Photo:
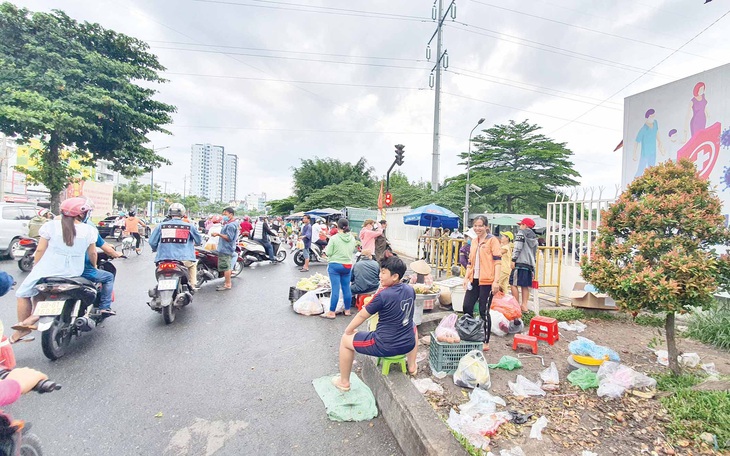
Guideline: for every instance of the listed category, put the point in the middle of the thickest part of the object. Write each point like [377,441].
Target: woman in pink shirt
[368,234]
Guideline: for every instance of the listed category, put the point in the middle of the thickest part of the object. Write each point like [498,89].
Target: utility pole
[442,60]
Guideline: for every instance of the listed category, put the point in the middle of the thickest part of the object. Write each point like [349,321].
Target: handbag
[470,328]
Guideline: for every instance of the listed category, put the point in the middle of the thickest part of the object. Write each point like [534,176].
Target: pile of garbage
[314,282]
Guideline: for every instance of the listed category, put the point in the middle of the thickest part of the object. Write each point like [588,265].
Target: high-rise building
[255,202]
[230,174]
[206,171]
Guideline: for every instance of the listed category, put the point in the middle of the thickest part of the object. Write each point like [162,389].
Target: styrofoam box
[456,285]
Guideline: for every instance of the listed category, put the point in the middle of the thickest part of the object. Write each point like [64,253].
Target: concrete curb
[414,423]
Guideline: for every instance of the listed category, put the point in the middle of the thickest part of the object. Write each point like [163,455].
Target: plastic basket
[445,357]
[295,293]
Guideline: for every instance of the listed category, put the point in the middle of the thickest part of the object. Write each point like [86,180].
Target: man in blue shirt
[227,256]
[175,239]
[306,237]
[105,278]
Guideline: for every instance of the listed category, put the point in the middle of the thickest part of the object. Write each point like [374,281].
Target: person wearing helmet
[35,224]
[215,227]
[132,225]
[246,227]
[176,239]
[63,246]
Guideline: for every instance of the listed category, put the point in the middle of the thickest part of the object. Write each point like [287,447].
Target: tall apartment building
[213,173]
[255,202]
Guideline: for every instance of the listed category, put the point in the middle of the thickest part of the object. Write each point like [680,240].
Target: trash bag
[550,378]
[507,305]
[470,328]
[473,371]
[507,362]
[500,324]
[615,378]
[576,326]
[481,402]
[514,451]
[516,326]
[446,330]
[586,347]
[536,431]
[424,385]
[583,378]
[523,387]
[308,304]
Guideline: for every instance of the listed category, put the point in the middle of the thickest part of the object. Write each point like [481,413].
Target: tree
[317,173]
[406,193]
[340,195]
[73,85]
[655,250]
[283,206]
[518,168]
[133,195]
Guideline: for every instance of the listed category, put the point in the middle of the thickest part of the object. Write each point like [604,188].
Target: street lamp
[152,180]
[468,171]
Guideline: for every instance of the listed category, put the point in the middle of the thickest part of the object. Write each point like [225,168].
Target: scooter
[254,252]
[25,252]
[172,291]
[315,255]
[67,307]
[208,266]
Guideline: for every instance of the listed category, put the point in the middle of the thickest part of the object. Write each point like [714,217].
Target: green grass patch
[564,314]
[695,412]
[471,449]
[527,317]
[649,320]
[712,327]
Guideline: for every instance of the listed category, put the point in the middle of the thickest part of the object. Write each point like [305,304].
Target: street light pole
[468,175]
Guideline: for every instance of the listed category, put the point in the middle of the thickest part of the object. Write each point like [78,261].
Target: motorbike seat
[75,280]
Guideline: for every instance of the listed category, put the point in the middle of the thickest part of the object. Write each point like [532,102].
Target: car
[14,219]
[106,226]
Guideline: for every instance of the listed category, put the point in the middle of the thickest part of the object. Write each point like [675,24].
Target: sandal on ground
[303,270]
[348,313]
[24,326]
[336,383]
[410,372]
[485,347]
[223,288]
[324,315]
[24,338]
[107,312]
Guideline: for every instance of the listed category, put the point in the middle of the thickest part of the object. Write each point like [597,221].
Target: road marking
[203,437]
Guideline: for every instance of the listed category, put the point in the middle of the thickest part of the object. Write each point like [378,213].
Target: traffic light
[399,154]
[388,199]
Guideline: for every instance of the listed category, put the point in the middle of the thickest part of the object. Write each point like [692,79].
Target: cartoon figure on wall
[649,141]
[697,114]
[703,146]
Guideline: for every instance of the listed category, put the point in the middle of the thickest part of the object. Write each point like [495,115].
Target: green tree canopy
[317,173]
[74,85]
[340,195]
[655,246]
[283,206]
[519,169]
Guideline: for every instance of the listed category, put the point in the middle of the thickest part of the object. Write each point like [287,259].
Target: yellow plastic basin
[589,360]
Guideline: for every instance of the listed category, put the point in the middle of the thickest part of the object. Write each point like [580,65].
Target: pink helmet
[247,219]
[216,219]
[73,207]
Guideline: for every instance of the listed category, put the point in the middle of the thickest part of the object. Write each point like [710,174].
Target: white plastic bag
[446,330]
[324,302]
[523,387]
[500,324]
[536,431]
[465,425]
[689,360]
[424,385]
[515,451]
[550,378]
[308,304]
[576,326]
[473,371]
[481,402]
[615,378]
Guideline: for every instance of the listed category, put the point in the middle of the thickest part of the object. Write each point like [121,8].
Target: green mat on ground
[358,404]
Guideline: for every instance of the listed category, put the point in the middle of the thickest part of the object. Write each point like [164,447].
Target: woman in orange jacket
[482,273]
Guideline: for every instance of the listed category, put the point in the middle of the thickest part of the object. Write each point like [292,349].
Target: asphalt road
[231,376]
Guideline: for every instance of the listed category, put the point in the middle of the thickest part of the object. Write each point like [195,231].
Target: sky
[278,81]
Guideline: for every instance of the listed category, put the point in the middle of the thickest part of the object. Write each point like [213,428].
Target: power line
[294,130]
[642,75]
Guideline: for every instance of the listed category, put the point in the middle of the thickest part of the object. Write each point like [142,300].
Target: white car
[14,219]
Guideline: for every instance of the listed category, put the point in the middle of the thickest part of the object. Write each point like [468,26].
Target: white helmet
[176,210]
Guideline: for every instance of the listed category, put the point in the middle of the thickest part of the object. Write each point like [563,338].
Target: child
[523,261]
[215,227]
[466,248]
[505,239]
[395,334]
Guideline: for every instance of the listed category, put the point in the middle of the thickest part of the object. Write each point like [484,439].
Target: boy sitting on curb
[396,333]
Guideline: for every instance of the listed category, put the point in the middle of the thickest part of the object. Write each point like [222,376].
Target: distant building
[213,173]
[230,174]
[255,202]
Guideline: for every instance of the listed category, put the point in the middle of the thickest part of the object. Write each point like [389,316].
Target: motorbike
[68,307]
[254,252]
[25,252]
[315,255]
[208,266]
[172,291]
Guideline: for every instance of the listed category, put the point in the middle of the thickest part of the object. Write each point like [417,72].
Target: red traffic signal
[388,199]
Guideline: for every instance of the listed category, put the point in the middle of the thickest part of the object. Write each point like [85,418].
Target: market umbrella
[504,220]
[433,216]
[326,212]
[295,216]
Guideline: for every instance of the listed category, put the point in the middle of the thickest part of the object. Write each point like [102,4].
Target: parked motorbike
[25,252]
[67,307]
[208,266]
[315,255]
[172,291]
[254,252]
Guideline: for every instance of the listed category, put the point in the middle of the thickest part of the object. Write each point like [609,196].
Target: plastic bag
[500,324]
[583,378]
[473,371]
[470,328]
[507,362]
[324,301]
[536,431]
[586,347]
[446,330]
[615,378]
[550,378]
[515,451]
[516,326]
[424,385]
[576,326]
[481,402]
[689,360]
[524,387]
[477,429]
[308,304]
[507,305]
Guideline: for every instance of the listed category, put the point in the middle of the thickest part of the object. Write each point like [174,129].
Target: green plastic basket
[445,357]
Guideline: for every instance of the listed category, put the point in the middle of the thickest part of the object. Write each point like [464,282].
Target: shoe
[107,312]
[303,270]
[25,338]
[222,288]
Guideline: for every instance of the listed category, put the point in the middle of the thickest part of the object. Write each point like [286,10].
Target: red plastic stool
[524,339]
[361,298]
[544,328]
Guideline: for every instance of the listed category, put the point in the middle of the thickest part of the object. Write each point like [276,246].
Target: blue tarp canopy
[432,215]
[326,212]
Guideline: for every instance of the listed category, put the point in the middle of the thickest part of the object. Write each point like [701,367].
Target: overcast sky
[277,81]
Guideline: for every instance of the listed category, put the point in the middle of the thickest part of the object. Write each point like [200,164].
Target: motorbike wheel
[56,339]
[281,256]
[168,314]
[247,262]
[30,445]
[26,263]
[237,269]
[200,280]
[299,258]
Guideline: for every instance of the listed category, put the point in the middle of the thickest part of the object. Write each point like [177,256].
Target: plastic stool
[387,361]
[523,339]
[361,298]
[544,328]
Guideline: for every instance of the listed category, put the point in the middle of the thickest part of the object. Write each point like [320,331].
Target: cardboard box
[580,297]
